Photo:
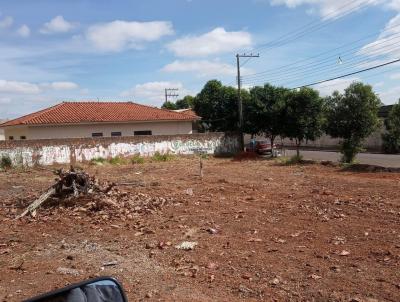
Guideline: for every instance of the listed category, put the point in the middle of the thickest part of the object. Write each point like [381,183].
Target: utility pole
[240,105]
[170,92]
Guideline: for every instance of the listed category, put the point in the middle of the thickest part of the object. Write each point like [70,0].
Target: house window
[145,132]
[97,134]
[116,134]
[11,138]
[22,137]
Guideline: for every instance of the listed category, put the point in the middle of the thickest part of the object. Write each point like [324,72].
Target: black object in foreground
[103,289]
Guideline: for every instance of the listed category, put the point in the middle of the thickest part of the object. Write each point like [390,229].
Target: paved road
[384,160]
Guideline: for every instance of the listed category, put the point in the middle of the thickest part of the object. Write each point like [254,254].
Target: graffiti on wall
[81,152]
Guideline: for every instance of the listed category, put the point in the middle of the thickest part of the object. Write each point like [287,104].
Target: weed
[98,161]
[137,159]
[5,162]
[158,157]
[117,160]
[204,156]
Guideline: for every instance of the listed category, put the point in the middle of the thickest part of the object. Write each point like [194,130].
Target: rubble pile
[77,192]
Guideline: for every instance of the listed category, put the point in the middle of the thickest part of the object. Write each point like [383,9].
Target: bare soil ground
[265,233]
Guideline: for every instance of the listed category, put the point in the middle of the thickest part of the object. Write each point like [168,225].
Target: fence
[70,151]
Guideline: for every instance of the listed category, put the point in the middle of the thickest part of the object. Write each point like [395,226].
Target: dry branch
[38,202]
[69,183]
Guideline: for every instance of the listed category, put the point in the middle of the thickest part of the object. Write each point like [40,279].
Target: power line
[311,27]
[364,77]
[315,71]
[303,31]
[291,66]
[349,74]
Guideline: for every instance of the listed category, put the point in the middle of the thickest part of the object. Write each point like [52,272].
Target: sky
[77,50]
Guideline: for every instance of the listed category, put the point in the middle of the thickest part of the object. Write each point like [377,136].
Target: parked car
[263,147]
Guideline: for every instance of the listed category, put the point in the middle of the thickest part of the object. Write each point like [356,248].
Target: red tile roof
[98,112]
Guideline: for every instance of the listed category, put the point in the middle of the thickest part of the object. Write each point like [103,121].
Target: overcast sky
[52,51]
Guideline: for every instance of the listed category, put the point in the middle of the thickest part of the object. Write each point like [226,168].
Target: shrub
[137,159]
[162,157]
[5,162]
[391,144]
[391,139]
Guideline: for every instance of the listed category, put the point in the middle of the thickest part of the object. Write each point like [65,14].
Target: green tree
[352,116]
[391,139]
[217,106]
[303,117]
[186,103]
[169,105]
[266,110]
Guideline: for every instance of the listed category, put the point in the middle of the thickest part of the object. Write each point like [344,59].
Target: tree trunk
[272,139]
[298,147]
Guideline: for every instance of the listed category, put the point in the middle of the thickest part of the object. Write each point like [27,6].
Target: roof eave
[99,122]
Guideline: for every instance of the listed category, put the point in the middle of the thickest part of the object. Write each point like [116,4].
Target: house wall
[70,151]
[82,131]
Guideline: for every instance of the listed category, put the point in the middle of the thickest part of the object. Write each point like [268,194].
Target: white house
[97,119]
[2,137]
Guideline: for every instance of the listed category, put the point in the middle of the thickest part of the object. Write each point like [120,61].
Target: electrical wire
[349,74]
[316,71]
[308,28]
[292,66]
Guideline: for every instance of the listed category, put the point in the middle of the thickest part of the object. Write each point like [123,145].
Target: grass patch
[289,161]
[98,161]
[204,156]
[117,160]
[158,157]
[137,159]
[5,162]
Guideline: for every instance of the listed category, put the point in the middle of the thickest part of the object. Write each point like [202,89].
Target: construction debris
[186,245]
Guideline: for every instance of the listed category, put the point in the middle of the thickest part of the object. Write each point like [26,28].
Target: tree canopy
[353,116]
[303,117]
[169,105]
[186,103]
[264,111]
[217,106]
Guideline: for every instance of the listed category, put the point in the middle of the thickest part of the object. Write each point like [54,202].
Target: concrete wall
[372,143]
[66,151]
[86,130]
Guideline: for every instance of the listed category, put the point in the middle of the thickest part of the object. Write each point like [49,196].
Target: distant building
[190,112]
[98,119]
[2,137]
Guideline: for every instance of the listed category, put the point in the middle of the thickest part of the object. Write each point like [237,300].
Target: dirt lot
[264,232]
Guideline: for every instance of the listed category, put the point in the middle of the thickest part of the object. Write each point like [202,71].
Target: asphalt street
[384,160]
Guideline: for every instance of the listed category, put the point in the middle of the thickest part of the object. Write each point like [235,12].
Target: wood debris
[77,189]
